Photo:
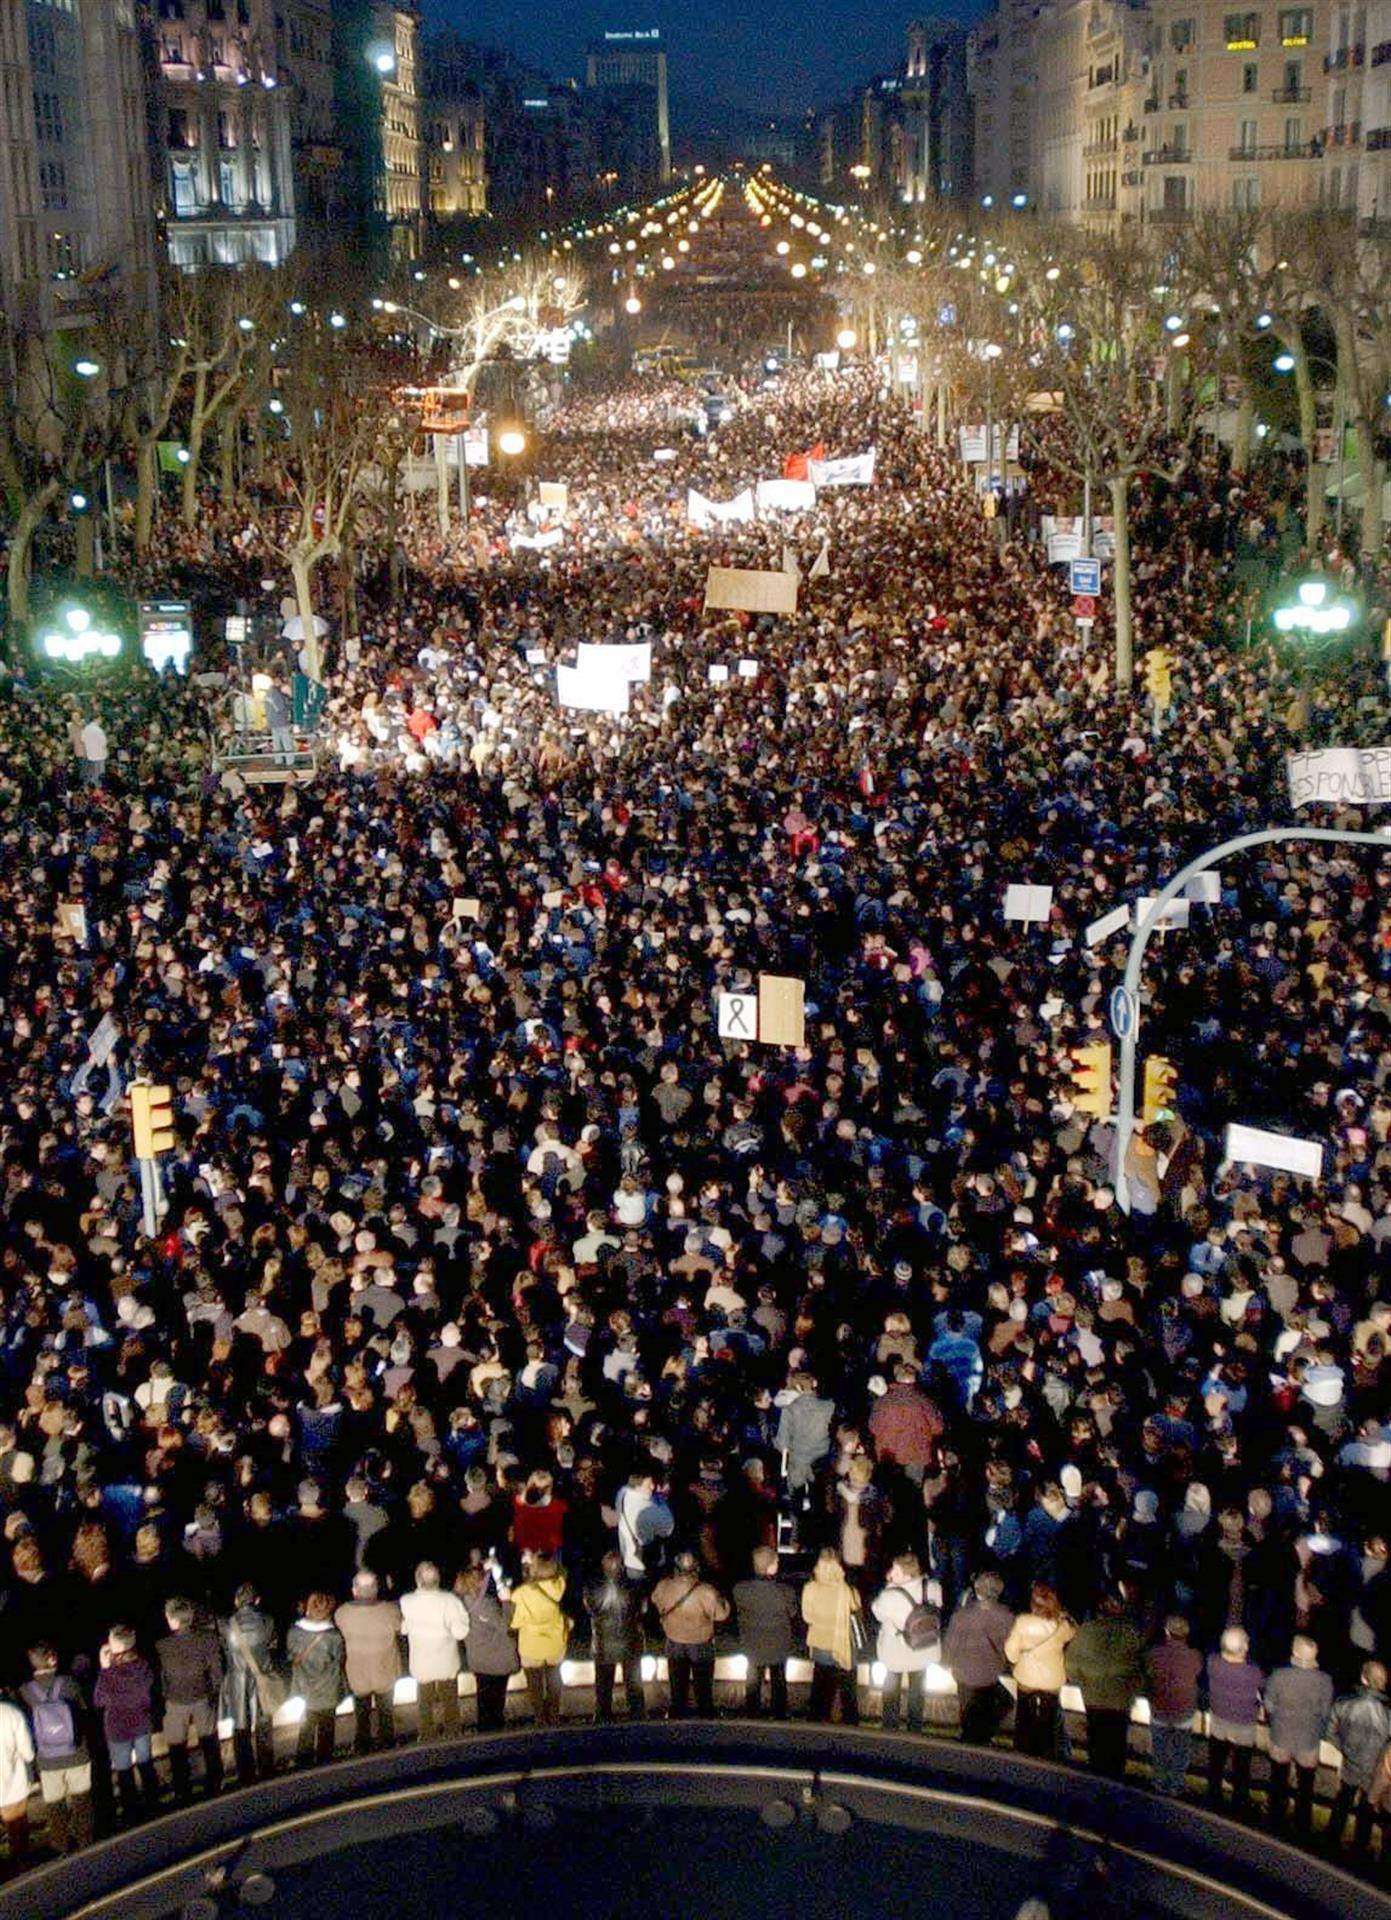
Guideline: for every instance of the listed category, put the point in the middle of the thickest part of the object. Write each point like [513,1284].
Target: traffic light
[1159,664]
[1161,1089]
[151,1120]
[1091,1079]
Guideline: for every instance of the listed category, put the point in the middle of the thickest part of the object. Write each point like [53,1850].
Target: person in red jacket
[538,1518]
[906,1424]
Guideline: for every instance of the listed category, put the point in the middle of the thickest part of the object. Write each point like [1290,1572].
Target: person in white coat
[16,1764]
[906,1595]
[434,1623]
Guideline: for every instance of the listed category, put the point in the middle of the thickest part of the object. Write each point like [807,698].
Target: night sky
[768,55]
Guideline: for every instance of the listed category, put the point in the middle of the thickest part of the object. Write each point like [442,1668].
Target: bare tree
[1352,285]
[219,323]
[335,409]
[1114,337]
[67,406]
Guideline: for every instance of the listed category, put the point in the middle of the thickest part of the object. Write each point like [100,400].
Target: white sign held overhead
[1113,922]
[717,675]
[1205,889]
[703,513]
[101,1042]
[590,692]
[748,669]
[1253,1146]
[630,660]
[1028,903]
[737,1016]
[1341,776]
[1176,914]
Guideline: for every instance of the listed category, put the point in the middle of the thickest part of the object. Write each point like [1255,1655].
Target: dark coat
[190,1666]
[615,1617]
[769,1618]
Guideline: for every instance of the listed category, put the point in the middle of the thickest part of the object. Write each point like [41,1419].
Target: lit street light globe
[382,59]
[511,441]
[846,339]
[632,304]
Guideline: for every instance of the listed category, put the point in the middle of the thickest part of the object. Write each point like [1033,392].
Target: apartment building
[1001,87]
[227,181]
[305,63]
[1117,80]
[76,195]
[457,150]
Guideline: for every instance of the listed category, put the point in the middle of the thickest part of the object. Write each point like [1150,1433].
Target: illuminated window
[1296,26]
[1242,31]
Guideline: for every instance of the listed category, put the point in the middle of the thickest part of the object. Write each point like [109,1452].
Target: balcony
[1095,149]
[1178,102]
[1169,216]
[1378,140]
[1151,103]
[1304,150]
[1099,203]
[1168,157]
[1348,134]
[1343,58]
[1381,54]
[1292,96]
[1133,178]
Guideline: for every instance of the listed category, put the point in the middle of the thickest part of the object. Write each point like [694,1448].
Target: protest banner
[538,542]
[744,589]
[855,470]
[784,496]
[1341,776]
[797,465]
[703,513]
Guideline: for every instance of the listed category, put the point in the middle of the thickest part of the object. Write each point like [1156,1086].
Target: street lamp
[382,59]
[632,304]
[512,442]
[1314,611]
[847,339]
[87,369]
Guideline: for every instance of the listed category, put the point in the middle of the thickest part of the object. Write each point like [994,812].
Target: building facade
[628,69]
[1001,89]
[457,155]
[76,191]
[223,130]
[305,61]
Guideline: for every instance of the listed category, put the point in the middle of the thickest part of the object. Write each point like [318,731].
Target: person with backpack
[124,1697]
[57,1714]
[16,1759]
[688,1609]
[909,1642]
[315,1647]
[543,1633]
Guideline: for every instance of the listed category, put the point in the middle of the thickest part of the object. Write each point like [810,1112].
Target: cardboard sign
[468,909]
[72,920]
[555,496]
[782,1020]
[748,590]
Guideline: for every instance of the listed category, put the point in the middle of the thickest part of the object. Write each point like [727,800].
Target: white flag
[821,565]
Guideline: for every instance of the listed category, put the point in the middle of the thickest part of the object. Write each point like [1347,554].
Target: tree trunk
[196,425]
[227,460]
[1369,472]
[22,547]
[1245,422]
[1125,638]
[146,487]
[1315,481]
[302,573]
[393,528]
[85,563]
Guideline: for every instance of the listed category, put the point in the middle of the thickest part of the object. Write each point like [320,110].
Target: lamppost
[1153,918]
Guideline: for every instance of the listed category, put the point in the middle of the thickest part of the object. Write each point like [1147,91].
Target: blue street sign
[1086,577]
[1123,1012]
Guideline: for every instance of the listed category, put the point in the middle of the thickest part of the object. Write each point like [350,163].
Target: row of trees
[1114,353]
[259,378]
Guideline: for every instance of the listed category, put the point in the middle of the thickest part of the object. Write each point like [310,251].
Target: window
[1296,26]
[1241,31]
[1294,79]
[1247,142]
[226,131]
[1246,193]
[181,134]
[1181,35]
[1175,193]
[1294,135]
[181,189]
[1250,77]
[48,118]
[227,182]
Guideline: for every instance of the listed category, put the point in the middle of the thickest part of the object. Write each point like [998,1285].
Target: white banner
[1341,776]
[591,692]
[1253,1146]
[971,441]
[785,496]
[538,542]
[703,513]
[631,661]
[855,470]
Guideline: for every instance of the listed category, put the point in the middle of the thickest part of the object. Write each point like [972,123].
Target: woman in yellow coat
[543,1633]
[829,1604]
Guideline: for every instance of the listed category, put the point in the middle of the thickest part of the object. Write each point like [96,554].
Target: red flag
[794,467]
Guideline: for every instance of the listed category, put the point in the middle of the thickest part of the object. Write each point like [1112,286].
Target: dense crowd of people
[503,1313]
